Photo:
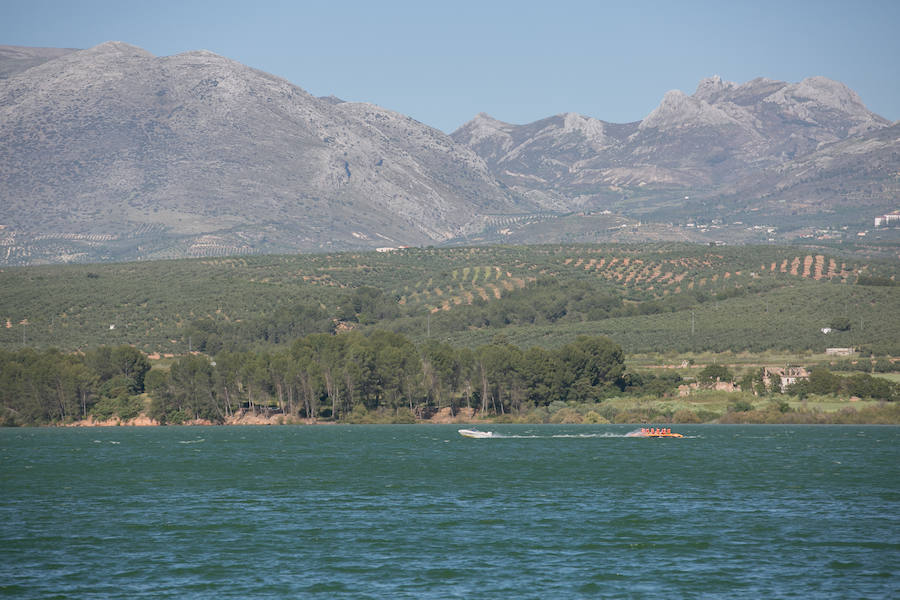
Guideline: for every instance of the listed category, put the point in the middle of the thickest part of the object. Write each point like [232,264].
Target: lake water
[421,512]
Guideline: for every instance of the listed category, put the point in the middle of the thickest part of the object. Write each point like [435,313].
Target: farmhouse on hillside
[785,377]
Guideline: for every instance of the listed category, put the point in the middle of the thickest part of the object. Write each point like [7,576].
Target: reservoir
[418,511]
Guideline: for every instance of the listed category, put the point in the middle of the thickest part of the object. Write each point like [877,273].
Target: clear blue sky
[444,62]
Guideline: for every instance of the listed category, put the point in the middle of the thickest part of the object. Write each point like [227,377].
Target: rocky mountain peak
[711,88]
[482,127]
[821,92]
[678,110]
[592,129]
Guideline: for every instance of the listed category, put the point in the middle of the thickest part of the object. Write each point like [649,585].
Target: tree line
[319,376]
[322,376]
[350,376]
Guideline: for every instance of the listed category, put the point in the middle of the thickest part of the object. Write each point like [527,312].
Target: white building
[888,219]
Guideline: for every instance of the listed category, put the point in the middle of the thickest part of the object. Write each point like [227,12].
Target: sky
[444,62]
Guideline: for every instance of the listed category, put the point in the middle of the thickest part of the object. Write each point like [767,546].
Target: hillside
[657,297]
[113,153]
[15,59]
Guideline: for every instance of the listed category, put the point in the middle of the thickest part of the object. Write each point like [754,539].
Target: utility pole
[692,323]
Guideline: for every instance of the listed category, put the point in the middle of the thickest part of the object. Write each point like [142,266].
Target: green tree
[193,389]
[822,381]
[712,373]
[597,365]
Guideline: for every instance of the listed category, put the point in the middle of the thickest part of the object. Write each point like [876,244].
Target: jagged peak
[573,119]
[710,87]
[677,109]
[592,129]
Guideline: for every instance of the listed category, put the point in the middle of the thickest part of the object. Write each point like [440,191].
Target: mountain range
[111,153]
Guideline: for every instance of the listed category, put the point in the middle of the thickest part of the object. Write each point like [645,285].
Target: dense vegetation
[647,298]
[319,376]
[383,375]
[407,333]
[52,387]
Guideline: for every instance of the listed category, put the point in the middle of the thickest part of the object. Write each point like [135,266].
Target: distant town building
[839,351]
[888,220]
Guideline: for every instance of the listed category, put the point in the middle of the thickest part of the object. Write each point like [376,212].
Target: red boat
[656,432]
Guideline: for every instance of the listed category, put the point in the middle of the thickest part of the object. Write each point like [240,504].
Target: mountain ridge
[112,153]
[711,143]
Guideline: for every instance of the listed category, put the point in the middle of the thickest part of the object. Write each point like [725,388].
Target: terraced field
[464,291]
[643,275]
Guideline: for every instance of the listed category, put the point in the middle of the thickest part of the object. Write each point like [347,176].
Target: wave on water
[197,441]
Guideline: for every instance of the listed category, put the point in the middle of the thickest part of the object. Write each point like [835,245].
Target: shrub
[595,418]
[123,407]
[740,406]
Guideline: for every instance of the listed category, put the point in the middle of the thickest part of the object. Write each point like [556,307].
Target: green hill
[649,298]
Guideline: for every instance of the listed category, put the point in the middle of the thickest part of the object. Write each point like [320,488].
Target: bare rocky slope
[15,59]
[764,146]
[112,152]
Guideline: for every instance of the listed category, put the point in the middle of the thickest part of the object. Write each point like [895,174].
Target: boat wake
[565,435]
[475,433]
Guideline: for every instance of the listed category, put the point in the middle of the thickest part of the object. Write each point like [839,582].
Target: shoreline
[891,416]
[442,417]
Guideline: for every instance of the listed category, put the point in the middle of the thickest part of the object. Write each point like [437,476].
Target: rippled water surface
[421,512]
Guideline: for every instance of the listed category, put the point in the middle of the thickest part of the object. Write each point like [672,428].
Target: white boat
[474,433]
